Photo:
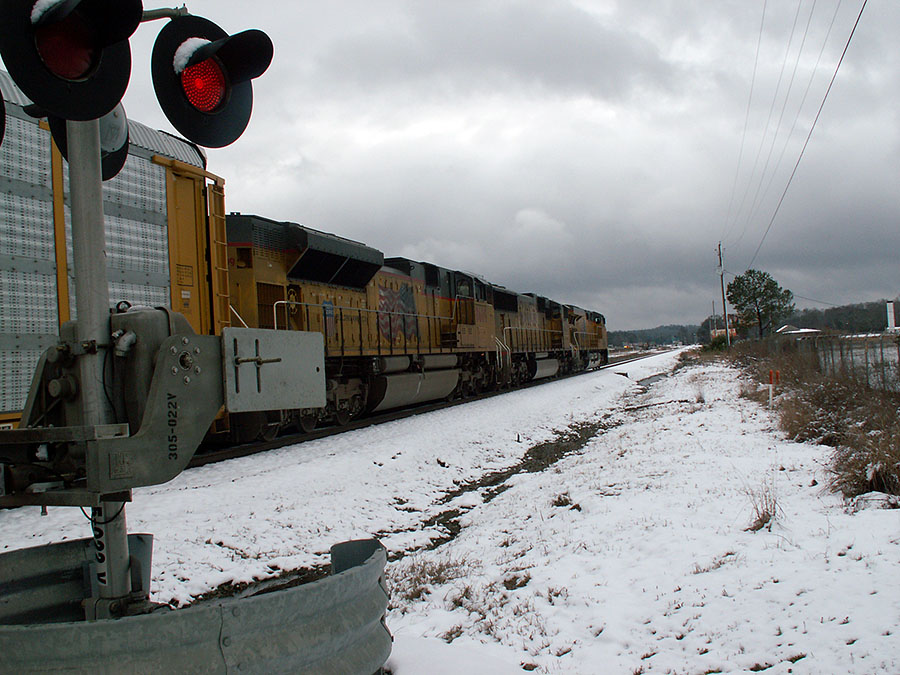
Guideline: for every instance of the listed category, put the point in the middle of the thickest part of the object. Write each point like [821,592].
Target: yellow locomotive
[397,332]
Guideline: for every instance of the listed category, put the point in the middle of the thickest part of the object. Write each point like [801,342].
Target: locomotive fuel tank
[403,389]
[542,368]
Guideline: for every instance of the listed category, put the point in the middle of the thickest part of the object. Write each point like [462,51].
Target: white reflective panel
[25,153]
[139,295]
[27,303]
[15,378]
[26,226]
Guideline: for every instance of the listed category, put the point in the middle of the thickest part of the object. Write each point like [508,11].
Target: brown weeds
[861,424]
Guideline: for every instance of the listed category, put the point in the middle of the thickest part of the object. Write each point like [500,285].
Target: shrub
[870,464]
[717,344]
[863,425]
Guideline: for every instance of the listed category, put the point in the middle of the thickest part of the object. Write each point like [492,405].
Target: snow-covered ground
[630,553]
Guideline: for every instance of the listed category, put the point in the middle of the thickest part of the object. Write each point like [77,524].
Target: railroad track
[211,454]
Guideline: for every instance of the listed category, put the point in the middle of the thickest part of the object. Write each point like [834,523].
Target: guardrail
[335,625]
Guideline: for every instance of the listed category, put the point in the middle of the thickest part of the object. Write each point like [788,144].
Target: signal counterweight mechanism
[167,384]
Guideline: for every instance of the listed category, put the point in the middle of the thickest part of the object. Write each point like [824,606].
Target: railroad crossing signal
[202,78]
[72,57]
[113,140]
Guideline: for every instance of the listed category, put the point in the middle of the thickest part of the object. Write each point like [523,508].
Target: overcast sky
[589,150]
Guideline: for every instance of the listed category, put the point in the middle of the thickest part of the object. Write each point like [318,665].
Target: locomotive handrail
[504,353]
[535,330]
[239,317]
[343,307]
[576,333]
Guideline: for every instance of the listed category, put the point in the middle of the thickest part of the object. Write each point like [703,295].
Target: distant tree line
[864,317]
[661,335]
[859,318]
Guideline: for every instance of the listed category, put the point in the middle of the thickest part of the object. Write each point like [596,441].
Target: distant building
[788,329]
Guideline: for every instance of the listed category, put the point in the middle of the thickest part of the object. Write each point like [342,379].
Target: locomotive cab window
[463,288]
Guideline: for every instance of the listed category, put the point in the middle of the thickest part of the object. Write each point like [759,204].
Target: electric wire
[759,195]
[790,135]
[765,133]
[809,135]
[802,297]
[737,169]
[102,522]
[820,302]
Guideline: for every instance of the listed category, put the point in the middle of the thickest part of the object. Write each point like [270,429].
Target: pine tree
[759,300]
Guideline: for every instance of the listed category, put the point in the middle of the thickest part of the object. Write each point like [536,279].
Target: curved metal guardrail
[335,625]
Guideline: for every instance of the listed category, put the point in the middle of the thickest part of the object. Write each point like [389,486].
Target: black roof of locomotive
[324,257]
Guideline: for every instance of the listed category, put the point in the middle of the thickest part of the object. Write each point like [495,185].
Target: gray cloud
[460,47]
[584,150]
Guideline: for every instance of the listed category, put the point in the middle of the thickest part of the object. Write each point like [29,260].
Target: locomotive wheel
[307,422]
[342,417]
[268,432]
[251,426]
[479,381]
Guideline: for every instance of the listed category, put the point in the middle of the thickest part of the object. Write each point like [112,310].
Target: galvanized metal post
[92,306]
[866,350]
[852,362]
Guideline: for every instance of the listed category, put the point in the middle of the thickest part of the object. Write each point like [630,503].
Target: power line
[809,135]
[800,107]
[737,169]
[820,302]
[765,133]
[759,195]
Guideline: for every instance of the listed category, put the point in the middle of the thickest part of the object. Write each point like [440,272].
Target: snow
[41,7]
[629,554]
[185,51]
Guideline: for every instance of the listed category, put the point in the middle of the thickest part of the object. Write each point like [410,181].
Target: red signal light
[202,77]
[68,47]
[204,85]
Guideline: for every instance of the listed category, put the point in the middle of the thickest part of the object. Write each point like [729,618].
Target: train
[396,332]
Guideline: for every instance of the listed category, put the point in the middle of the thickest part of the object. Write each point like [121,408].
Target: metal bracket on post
[185,395]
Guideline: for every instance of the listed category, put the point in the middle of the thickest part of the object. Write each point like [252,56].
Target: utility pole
[724,305]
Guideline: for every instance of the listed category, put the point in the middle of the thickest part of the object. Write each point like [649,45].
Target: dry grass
[412,578]
[764,500]
[861,424]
